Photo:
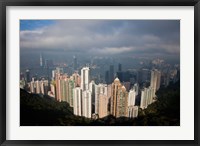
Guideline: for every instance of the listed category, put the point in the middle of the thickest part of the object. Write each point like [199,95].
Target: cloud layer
[105,37]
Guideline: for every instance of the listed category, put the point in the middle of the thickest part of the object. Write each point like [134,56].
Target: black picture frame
[5,3]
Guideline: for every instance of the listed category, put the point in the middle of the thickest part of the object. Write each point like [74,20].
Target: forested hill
[166,110]
[36,110]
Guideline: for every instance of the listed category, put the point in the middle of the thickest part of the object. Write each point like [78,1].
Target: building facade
[77,105]
[132,111]
[103,106]
[119,100]
[100,89]
[85,78]
[155,80]
[86,104]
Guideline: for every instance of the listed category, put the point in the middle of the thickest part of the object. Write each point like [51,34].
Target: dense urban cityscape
[87,81]
[120,94]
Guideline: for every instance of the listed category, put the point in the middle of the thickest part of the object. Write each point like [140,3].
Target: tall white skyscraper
[146,97]
[132,111]
[77,99]
[85,78]
[92,87]
[136,88]
[37,85]
[143,101]
[87,104]
[131,97]
[150,95]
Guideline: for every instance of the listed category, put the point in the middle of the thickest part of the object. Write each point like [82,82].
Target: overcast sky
[103,37]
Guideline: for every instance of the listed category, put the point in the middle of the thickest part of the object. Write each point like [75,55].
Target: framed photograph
[99,72]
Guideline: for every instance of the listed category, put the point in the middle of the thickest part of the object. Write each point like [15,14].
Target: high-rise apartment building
[150,95]
[37,86]
[155,80]
[77,79]
[146,97]
[143,101]
[32,86]
[122,102]
[77,99]
[44,87]
[86,104]
[103,105]
[92,87]
[71,86]
[85,78]
[136,88]
[119,100]
[58,84]
[64,88]
[114,93]
[58,70]
[131,97]
[132,111]
[100,89]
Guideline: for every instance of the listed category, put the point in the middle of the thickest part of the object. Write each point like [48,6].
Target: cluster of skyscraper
[39,87]
[107,99]
[91,100]
[147,94]
[35,85]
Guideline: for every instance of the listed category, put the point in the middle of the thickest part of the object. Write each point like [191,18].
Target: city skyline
[100,68]
[80,92]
